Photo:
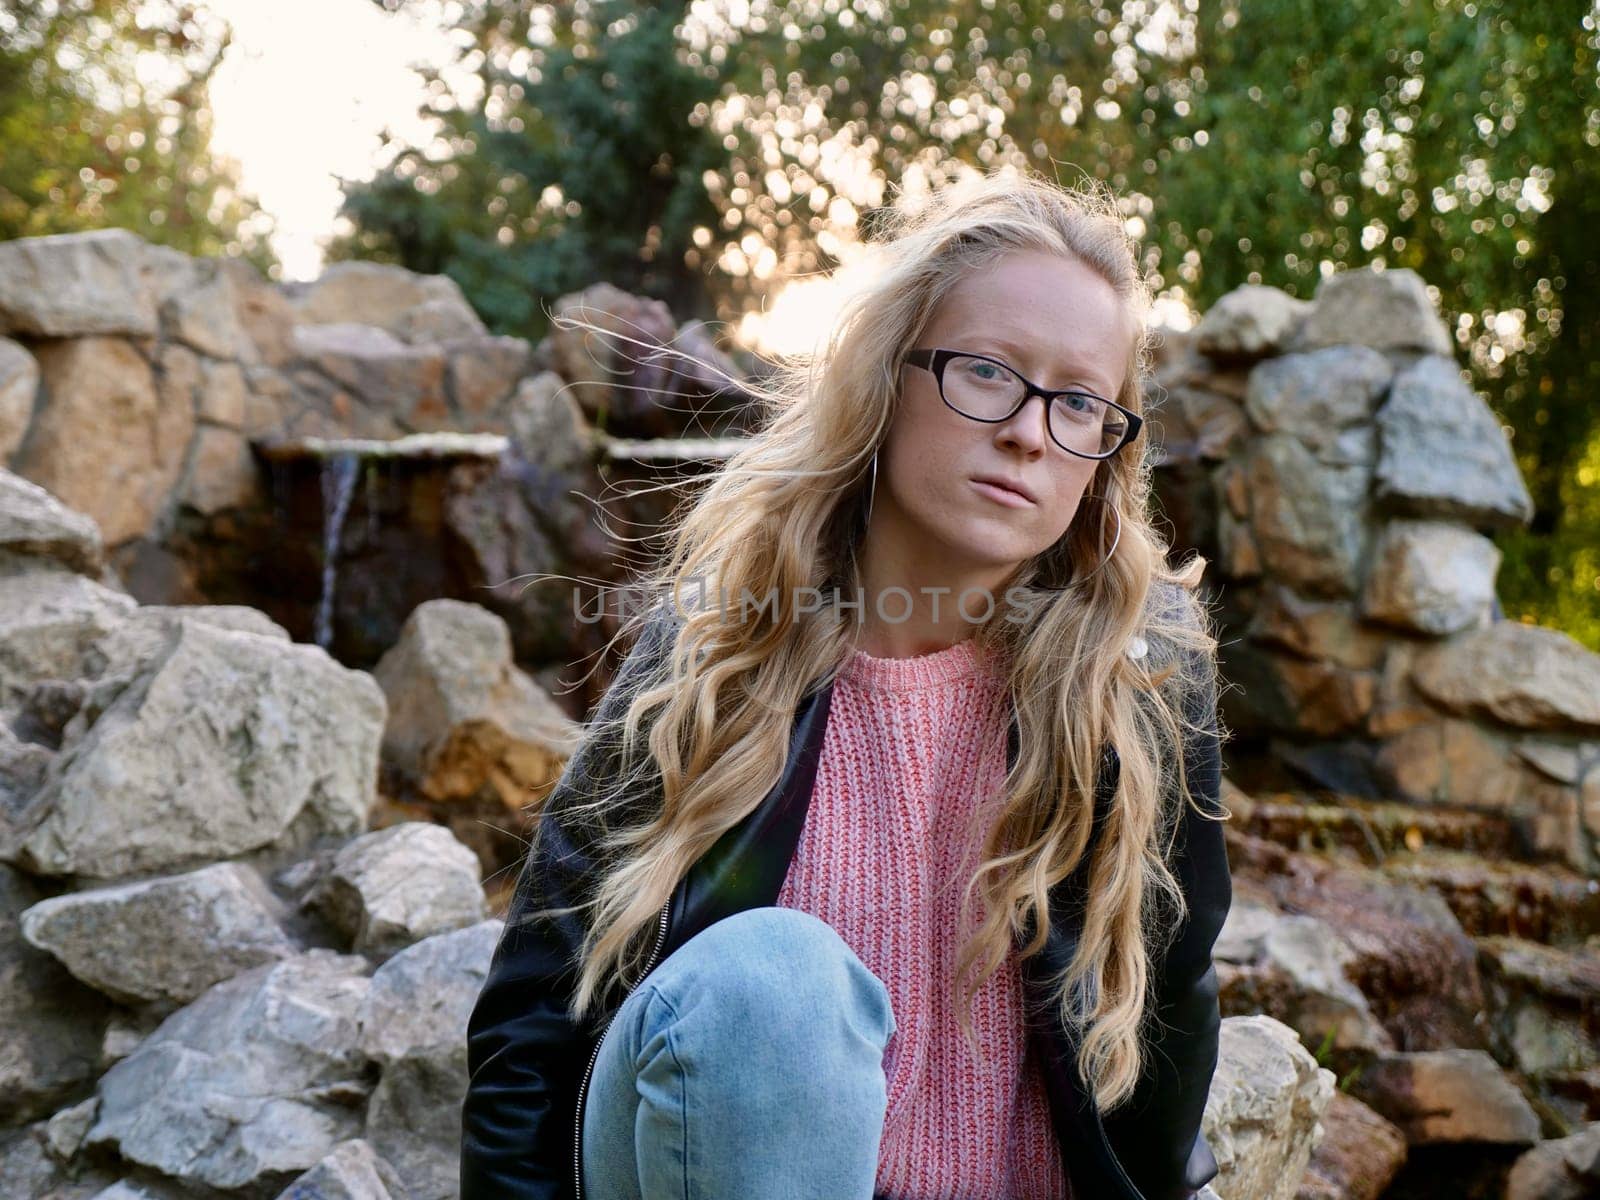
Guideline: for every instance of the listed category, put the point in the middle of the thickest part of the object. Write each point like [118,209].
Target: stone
[30,1168]
[1317,630]
[387,889]
[1448,1096]
[19,387]
[1325,398]
[1561,1169]
[251,1084]
[1430,577]
[389,376]
[1262,1115]
[384,295]
[1544,1004]
[482,373]
[201,742]
[76,284]
[352,1170]
[50,620]
[103,442]
[462,716]
[1359,1155]
[165,940]
[223,474]
[34,524]
[619,377]
[1250,322]
[51,1026]
[1384,309]
[265,317]
[1308,518]
[1524,676]
[1294,967]
[203,314]
[1442,452]
[414,1023]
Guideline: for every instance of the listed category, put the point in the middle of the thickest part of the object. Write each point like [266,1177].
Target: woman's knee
[780,966]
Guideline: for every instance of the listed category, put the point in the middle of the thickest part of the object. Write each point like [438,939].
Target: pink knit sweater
[912,744]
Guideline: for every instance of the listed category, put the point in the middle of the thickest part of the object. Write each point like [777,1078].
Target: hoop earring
[872,491]
[1077,579]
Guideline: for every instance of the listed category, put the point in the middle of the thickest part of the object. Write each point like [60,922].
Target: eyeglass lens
[989,392]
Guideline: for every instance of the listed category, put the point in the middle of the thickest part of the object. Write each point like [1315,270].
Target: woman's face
[1058,324]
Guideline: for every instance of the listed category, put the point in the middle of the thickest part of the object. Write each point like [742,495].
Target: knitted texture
[911,746]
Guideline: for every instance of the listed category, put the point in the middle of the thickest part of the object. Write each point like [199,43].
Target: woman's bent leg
[749,1064]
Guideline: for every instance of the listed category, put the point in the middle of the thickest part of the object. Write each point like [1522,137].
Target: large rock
[352,1170]
[1522,675]
[1544,1004]
[1431,578]
[34,524]
[103,441]
[165,940]
[51,1026]
[1448,1096]
[417,308]
[1250,322]
[414,1023]
[462,716]
[1443,452]
[208,743]
[1564,1169]
[19,385]
[388,889]
[71,284]
[1308,518]
[1293,966]
[1325,398]
[1386,310]
[1261,1117]
[252,1084]
[389,376]
[1360,1153]
[51,619]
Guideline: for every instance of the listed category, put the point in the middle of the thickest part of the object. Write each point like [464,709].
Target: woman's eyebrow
[1012,350]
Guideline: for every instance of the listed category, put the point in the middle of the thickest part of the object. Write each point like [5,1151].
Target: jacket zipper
[583,1087]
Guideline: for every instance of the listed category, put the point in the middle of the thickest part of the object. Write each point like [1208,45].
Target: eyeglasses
[986,389]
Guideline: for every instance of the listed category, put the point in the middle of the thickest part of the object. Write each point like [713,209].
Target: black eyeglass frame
[934,360]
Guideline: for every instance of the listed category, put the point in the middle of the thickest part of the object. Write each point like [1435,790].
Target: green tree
[87,141]
[1254,141]
[574,165]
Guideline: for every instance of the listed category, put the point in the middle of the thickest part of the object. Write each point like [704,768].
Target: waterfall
[338,480]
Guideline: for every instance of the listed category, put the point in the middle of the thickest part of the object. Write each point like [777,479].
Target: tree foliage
[90,138]
[736,146]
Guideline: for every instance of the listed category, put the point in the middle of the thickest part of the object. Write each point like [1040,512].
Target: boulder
[462,716]
[1442,452]
[200,743]
[414,1023]
[1261,1117]
[1384,309]
[1448,1096]
[250,1085]
[1250,322]
[388,889]
[165,940]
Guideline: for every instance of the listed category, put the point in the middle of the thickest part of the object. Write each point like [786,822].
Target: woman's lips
[1002,495]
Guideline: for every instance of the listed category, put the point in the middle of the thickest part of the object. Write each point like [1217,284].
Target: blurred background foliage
[105,122]
[709,153]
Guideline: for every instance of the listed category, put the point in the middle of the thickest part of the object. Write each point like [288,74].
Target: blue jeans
[749,1064]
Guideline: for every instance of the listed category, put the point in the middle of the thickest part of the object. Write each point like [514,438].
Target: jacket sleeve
[525,1056]
[1157,1133]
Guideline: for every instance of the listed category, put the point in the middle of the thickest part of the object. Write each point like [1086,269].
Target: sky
[297,110]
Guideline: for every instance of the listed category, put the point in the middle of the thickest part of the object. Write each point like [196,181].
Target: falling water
[338,486]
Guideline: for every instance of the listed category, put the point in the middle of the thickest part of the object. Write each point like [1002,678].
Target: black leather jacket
[527,1060]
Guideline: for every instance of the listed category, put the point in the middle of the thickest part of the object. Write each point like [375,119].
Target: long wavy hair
[1118,643]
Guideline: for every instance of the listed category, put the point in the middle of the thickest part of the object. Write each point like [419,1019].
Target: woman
[915,898]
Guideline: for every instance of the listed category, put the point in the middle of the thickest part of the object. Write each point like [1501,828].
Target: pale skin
[1059,324]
